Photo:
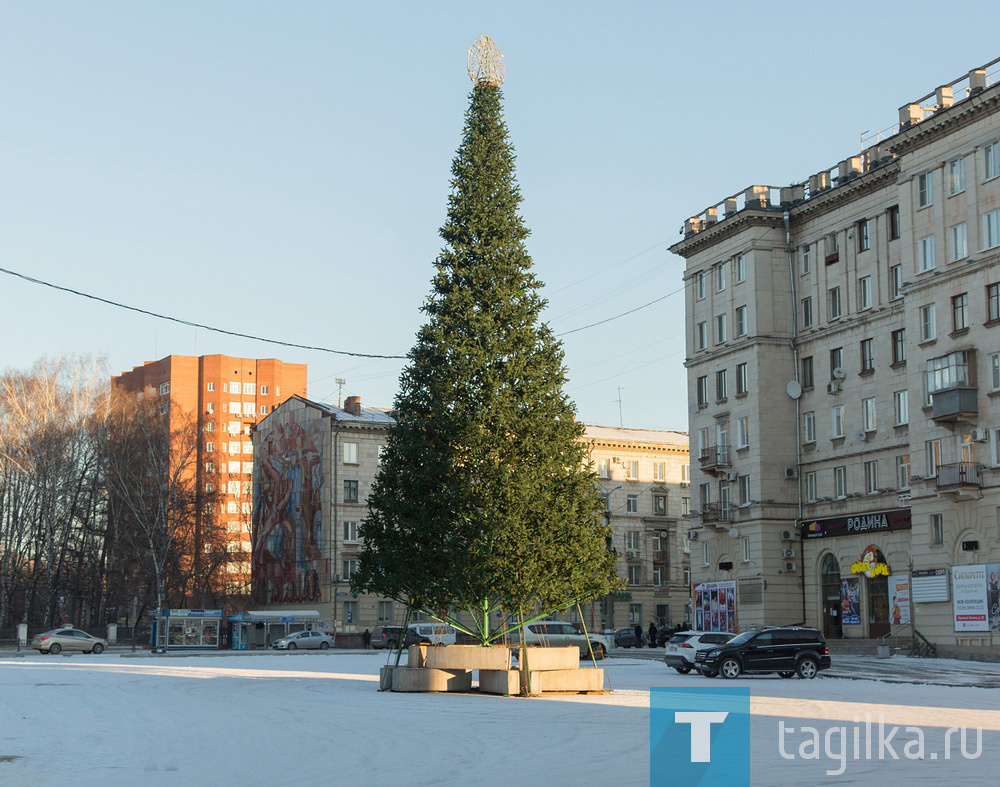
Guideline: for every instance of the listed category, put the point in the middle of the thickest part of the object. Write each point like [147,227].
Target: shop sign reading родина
[859,524]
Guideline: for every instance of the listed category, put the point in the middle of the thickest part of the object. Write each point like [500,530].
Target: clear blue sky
[282,168]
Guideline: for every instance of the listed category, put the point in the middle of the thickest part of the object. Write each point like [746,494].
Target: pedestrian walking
[638,635]
[366,638]
[652,635]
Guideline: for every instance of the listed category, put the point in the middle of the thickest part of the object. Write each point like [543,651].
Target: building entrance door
[878,607]
[830,597]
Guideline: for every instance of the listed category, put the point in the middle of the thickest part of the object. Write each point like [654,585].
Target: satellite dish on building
[793,389]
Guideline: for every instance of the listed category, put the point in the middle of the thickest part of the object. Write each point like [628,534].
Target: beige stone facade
[844,372]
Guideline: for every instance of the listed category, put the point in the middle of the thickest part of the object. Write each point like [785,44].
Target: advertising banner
[899,598]
[850,601]
[715,606]
[970,594]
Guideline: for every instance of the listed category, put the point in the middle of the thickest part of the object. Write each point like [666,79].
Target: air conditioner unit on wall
[732,476]
[685,484]
[787,535]
[692,535]
[789,568]
[979,435]
[632,553]
[833,387]
[791,473]
[786,553]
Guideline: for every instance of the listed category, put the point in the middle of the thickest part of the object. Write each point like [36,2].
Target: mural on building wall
[288,515]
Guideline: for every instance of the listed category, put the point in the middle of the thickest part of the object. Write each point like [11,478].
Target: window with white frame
[744,490]
[249,389]
[740,268]
[350,453]
[746,549]
[209,426]
[925,250]
[995,371]
[209,487]
[233,447]
[247,467]
[701,336]
[685,474]
[384,612]
[604,468]
[871,477]
[210,407]
[246,508]
[991,229]
[233,467]
[809,427]
[702,440]
[210,387]
[210,446]
[840,481]
[895,281]
[232,507]
[836,362]
[960,312]
[743,432]
[925,190]
[264,390]
[721,385]
[209,467]
[991,160]
[868,414]
[721,329]
[264,409]
[811,486]
[685,507]
[933,450]
[659,505]
[901,407]
[350,532]
[699,285]
[705,553]
[837,421]
[807,312]
[657,575]
[659,471]
[741,321]
[350,566]
[635,575]
[959,247]
[864,235]
[705,495]
[928,322]
[956,171]
[632,470]
[937,530]
[233,488]
[236,408]
[632,504]
[805,264]
[165,388]
[995,447]
[249,408]
[742,384]
[720,278]
[867,355]
[865,292]
[903,471]
[701,386]
[833,302]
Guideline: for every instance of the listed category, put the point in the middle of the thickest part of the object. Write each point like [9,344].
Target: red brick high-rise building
[225,396]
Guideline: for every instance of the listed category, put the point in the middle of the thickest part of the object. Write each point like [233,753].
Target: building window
[234,447]
[899,346]
[949,371]
[933,449]
[901,407]
[702,386]
[659,505]
[805,264]
[956,169]
[811,487]
[893,221]
[903,471]
[249,389]
[832,248]
[836,363]
[868,414]
[210,446]
[840,481]
[871,477]
[264,409]
[742,386]
[384,611]
[809,427]
[926,251]
[834,303]
[740,268]
[937,530]
[210,387]
[991,229]
[701,336]
[209,467]
[867,356]
[928,323]
[699,285]
[233,467]
[960,312]
[744,489]
[741,320]
[895,281]
[350,566]
[746,549]
[165,388]
[995,371]
[232,507]
[210,407]
[743,432]
[959,243]
[604,468]
[350,491]
[993,302]
[632,470]
[721,329]
[632,504]
[247,469]
[721,385]
[806,365]
[350,453]
[992,160]
[864,292]
[657,575]
[263,392]
[209,426]
[249,408]
[660,471]
[685,506]
[807,312]
[864,237]
[635,613]
[705,554]
[235,408]
[634,575]
[705,495]
[720,278]
[925,190]
[837,421]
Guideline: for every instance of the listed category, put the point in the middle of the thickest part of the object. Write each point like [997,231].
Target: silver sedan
[58,640]
[304,639]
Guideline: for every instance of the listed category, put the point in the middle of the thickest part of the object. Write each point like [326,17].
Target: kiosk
[186,629]
[257,630]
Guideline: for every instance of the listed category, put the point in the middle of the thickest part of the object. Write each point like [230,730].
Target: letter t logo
[701,731]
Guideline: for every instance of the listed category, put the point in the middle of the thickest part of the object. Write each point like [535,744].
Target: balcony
[954,404]
[716,512]
[951,383]
[714,457]
[962,480]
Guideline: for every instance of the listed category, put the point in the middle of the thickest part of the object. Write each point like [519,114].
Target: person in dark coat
[638,635]
[652,635]
[366,639]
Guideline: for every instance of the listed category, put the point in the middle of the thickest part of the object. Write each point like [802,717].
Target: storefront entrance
[878,604]
[830,589]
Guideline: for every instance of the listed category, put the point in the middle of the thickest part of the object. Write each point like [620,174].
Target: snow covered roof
[625,435]
[365,415]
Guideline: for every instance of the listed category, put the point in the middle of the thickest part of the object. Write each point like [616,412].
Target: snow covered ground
[319,719]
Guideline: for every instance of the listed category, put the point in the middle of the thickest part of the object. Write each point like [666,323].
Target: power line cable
[195,324]
[617,316]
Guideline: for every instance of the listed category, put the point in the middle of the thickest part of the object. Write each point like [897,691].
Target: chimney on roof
[353,405]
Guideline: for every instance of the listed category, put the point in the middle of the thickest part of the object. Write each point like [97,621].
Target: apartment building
[225,397]
[844,372]
[643,476]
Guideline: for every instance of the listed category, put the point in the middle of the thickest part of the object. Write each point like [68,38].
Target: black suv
[786,650]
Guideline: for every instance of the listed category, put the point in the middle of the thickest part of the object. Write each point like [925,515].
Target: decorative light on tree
[485,62]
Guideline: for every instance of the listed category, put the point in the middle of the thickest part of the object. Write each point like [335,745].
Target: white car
[680,650]
[555,634]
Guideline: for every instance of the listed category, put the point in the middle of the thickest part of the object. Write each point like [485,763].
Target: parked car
[625,638]
[555,633]
[786,650]
[430,634]
[680,651]
[664,633]
[386,637]
[61,639]
[307,640]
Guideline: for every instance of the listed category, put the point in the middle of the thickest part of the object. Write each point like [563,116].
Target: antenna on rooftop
[340,388]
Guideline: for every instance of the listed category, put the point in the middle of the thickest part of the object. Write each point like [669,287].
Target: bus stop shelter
[257,630]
